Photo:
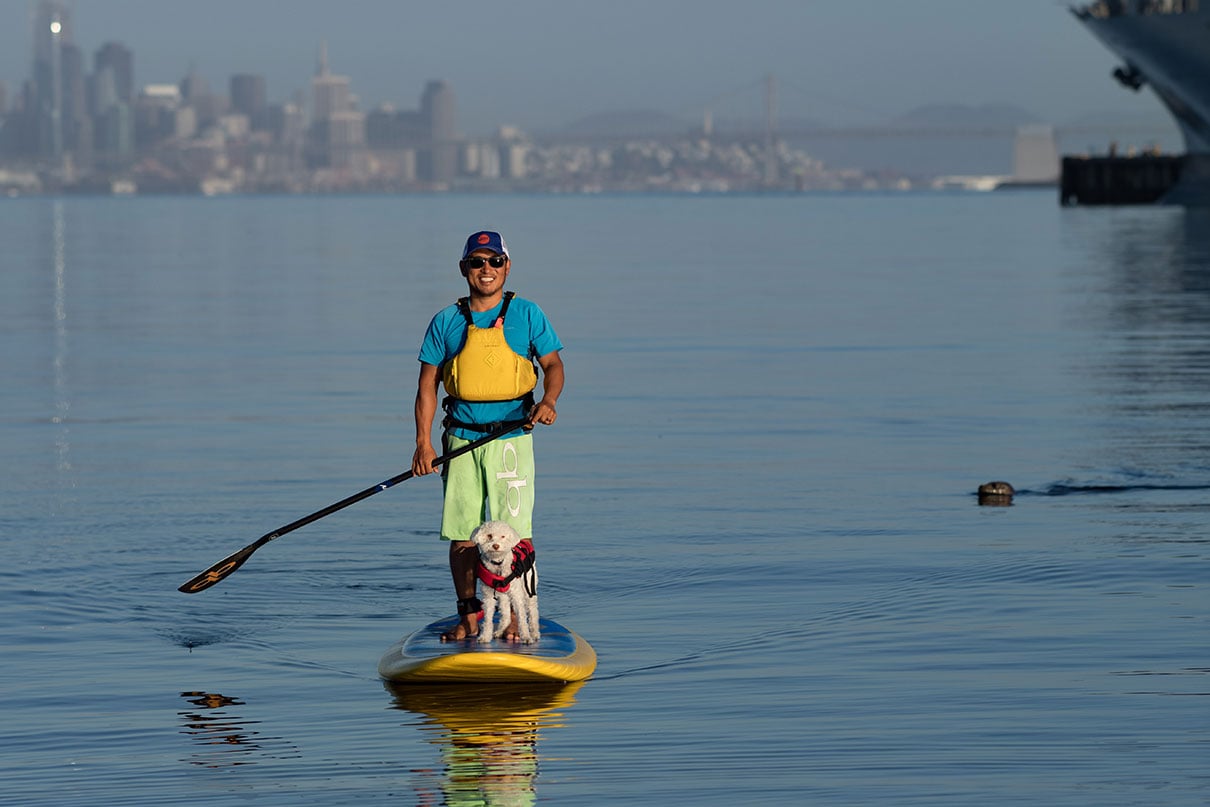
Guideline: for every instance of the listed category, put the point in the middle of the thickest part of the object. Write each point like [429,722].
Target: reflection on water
[58,256]
[222,737]
[488,737]
[1146,295]
[1153,271]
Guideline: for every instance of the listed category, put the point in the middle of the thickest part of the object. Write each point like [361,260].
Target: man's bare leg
[463,557]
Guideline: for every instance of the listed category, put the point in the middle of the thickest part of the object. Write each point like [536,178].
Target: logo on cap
[484,238]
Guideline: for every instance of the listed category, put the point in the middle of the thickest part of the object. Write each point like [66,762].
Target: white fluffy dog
[507,578]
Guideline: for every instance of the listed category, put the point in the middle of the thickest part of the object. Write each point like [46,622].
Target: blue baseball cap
[485,239]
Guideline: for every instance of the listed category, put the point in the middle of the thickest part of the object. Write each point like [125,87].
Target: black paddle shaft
[232,562]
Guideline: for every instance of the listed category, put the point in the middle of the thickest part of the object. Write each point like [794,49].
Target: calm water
[758,503]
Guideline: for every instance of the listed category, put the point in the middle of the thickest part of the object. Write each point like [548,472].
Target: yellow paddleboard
[559,655]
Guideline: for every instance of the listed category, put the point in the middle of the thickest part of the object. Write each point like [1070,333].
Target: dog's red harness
[523,562]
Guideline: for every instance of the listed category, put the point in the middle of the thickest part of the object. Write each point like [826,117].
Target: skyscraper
[194,85]
[77,125]
[110,101]
[438,109]
[437,105]
[52,29]
[338,130]
[329,93]
[248,97]
[116,60]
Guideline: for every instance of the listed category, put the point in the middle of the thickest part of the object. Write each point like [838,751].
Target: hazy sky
[538,63]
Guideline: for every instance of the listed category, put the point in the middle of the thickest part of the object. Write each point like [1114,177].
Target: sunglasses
[495,261]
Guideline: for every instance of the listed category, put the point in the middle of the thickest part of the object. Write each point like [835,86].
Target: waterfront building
[1035,155]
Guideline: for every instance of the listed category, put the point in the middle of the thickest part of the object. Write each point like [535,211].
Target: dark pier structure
[1114,180]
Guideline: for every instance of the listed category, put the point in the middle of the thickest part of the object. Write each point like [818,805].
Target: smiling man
[483,350]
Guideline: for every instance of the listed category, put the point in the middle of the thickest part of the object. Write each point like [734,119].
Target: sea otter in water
[996,493]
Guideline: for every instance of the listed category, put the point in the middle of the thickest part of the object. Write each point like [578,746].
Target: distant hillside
[784,123]
[961,116]
[637,122]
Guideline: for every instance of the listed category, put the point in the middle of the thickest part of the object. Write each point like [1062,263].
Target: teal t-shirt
[527,331]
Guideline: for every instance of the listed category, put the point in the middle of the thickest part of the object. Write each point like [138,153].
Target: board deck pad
[559,655]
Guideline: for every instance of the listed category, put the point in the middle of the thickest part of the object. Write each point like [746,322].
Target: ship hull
[1168,51]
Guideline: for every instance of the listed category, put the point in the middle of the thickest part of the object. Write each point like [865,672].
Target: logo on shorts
[512,495]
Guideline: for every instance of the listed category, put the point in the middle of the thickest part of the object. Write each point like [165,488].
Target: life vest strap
[523,563]
[451,422]
[464,305]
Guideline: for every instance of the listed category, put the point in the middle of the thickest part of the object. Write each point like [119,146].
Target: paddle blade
[219,571]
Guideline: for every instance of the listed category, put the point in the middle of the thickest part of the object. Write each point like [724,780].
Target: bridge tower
[770,131]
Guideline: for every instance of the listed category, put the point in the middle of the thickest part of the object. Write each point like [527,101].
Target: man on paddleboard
[483,350]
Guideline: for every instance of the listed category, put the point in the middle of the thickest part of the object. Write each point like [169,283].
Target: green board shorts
[494,482]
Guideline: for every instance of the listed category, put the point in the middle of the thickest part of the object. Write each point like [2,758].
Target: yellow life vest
[487,368]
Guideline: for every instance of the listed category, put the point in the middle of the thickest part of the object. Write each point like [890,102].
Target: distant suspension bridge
[765,127]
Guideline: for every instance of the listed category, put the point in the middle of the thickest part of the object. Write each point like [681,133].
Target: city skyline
[89,119]
[80,125]
[543,65]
